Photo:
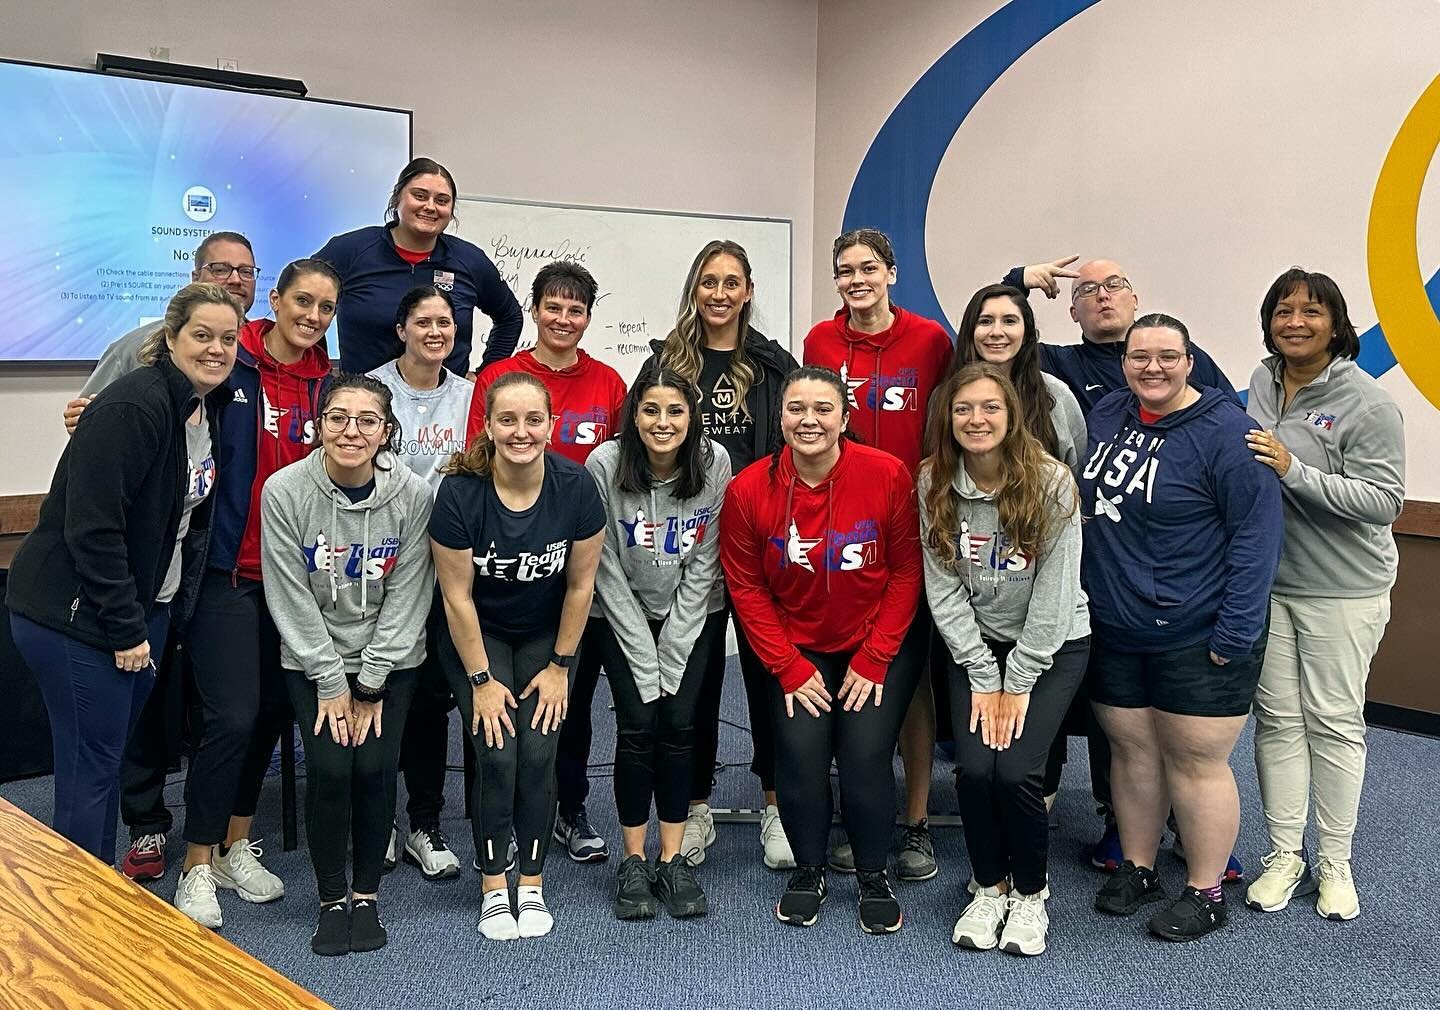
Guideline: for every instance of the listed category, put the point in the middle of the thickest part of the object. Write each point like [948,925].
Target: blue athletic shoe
[1106,854]
[1234,871]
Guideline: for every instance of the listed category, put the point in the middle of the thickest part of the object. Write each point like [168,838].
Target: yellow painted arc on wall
[1393,256]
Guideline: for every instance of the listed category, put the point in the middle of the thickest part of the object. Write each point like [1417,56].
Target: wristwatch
[561,661]
[480,677]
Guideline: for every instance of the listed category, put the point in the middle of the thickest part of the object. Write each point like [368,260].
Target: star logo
[492,565]
[851,385]
[798,548]
[271,414]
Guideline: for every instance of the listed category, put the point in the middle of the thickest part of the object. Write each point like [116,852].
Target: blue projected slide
[109,184]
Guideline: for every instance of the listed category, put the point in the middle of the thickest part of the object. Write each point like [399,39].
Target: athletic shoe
[534,918]
[581,841]
[842,858]
[778,854]
[239,870]
[1190,918]
[804,894]
[1026,923]
[512,858]
[145,860]
[497,922]
[1129,887]
[427,849]
[195,896]
[392,850]
[1234,869]
[367,932]
[879,908]
[332,932]
[978,927]
[1286,874]
[916,859]
[634,889]
[1338,900]
[676,886]
[699,833]
[1106,854]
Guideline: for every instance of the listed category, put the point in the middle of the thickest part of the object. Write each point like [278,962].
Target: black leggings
[1002,793]
[862,744]
[514,787]
[652,739]
[707,716]
[234,651]
[572,760]
[425,747]
[350,791]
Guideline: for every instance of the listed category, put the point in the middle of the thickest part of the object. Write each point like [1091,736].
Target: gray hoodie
[660,562]
[1037,603]
[1068,420]
[1346,482]
[432,421]
[348,585]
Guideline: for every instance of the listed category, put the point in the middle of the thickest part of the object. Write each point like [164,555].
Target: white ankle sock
[497,922]
[535,918]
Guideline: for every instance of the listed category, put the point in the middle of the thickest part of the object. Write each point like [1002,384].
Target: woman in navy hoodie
[1182,540]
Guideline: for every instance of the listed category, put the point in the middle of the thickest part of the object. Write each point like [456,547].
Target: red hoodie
[832,568]
[286,426]
[890,376]
[585,400]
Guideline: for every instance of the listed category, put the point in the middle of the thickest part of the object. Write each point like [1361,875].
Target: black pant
[862,744]
[235,654]
[424,749]
[652,740]
[572,761]
[1002,793]
[350,791]
[514,786]
[707,717]
[153,742]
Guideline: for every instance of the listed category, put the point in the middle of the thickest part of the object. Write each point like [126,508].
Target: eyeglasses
[337,421]
[1114,283]
[222,271]
[1140,360]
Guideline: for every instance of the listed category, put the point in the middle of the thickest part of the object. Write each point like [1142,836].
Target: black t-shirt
[717,398]
[520,557]
[358,494]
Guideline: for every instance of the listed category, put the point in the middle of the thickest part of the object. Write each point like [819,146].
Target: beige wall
[635,103]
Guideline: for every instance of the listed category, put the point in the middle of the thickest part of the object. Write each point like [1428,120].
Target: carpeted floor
[741,956]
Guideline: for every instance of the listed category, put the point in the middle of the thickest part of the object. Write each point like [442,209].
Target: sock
[497,922]
[1215,894]
[535,918]
[223,849]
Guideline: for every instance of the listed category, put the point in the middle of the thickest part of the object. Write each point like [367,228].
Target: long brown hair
[1027,472]
[1025,374]
[683,345]
[178,312]
[478,457]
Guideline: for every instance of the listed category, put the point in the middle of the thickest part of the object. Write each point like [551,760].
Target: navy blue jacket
[1183,528]
[1092,371]
[375,278]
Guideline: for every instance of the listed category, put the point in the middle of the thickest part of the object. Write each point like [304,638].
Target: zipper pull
[74,606]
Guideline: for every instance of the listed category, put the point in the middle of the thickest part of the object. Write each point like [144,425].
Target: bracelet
[362,693]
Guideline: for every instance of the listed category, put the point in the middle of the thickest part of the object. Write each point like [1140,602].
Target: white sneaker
[1285,876]
[427,850]
[195,896]
[535,918]
[392,851]
[240,871]
[778,855]
[699,833]
[1338,899]
[497,922]
[1026,923]
[979,925]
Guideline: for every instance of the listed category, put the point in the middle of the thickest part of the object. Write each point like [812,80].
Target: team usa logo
[352,560]
[844,550]
[674,535]
[202,478]
[298,422]
[445,280]
[524,566]
[900,391]
[1319,420]
[583,427]
[1125,467]
[993,551]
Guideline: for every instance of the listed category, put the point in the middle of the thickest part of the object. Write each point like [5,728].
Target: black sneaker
[804,894]
[676,886]
[332,932]
[367,932]
[634,897]
[1191,917]
[879,909]
[582,842]
[916,859]
[1129,887]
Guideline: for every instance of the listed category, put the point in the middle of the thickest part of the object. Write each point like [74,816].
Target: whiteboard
[639,259]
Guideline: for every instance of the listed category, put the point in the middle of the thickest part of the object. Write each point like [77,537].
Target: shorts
[1181,682]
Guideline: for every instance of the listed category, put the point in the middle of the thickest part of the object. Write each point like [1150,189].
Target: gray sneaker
[916,859]
[842,858]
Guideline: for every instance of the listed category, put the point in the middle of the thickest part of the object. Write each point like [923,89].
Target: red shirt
[411,256]
[833,568]
[585,401]
[889,375]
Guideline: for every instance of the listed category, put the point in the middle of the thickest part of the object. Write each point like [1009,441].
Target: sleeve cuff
[795,673]
[869,667]
[332,686]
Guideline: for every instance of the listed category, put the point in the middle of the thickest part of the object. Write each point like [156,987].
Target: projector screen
[110,183]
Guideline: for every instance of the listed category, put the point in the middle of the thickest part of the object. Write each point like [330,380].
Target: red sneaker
[145,860]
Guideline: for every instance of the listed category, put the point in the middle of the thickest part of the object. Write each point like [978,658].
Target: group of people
[1093,537]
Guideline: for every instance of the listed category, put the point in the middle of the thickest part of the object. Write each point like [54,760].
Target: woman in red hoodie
[820,548]
[890,361]
[280,371]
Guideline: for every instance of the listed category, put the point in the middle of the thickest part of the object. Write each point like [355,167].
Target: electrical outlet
[227,63]
[160,53]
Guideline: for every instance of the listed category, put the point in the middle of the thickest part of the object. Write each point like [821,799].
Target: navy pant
[92,706]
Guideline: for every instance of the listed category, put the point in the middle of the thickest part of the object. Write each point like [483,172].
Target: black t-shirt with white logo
[520,557]
[736,432]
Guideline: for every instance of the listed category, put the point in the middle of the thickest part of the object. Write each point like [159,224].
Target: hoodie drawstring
[334,524]
[829,522]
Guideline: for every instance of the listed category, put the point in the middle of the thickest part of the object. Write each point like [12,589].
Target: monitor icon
[198,203]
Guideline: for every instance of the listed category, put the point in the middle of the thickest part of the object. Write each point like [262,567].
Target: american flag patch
[445,280]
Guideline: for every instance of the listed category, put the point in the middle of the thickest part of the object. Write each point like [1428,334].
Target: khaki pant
[1310,716]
